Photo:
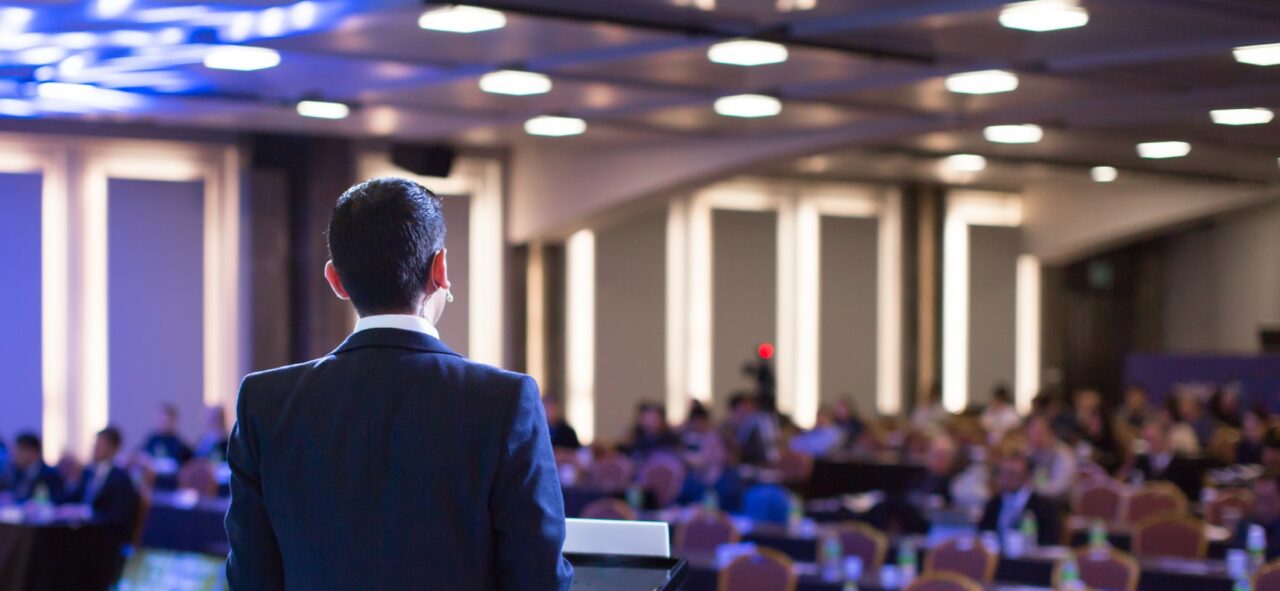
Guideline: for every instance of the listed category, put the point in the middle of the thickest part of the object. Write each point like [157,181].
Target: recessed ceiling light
[16,108]
[462,19]
[302,15]
[1044,15]
[75,40]
[1104,174]
[748,105]
[271,22]
[241,58]
[1241,116]
[1258,55]
[14,19]
[515,82]
[111,8]
[553,126]
[982,82]
[965,163]
[1158,150]
[747,52]
[39,56]
[88,94]
[323,109]
[1013,134]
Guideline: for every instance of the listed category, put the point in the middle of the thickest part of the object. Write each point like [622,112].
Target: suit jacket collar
[393,338]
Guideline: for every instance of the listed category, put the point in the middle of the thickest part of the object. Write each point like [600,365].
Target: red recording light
[765,350]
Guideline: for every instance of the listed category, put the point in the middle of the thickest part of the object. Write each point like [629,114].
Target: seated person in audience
[5,474]
[707,457]
[1161,461]
[1253,432]
[1136,410]
[108,492]
[825,437]
[931,490]
[1265,513]
[1224,409]
[971,485]
[1015,499]
[756,433]
[650,432]
[1271,452]
[999,417]
[1053,463]
[165,443]
[929,416]
[213,444]
[847,418]
[562,434]
[1190,416]
[1097,434]
[32,478]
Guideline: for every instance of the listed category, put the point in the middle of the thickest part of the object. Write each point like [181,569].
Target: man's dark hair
[169,410]
[28,440]
[1001,393]
[113,436]
[383,235]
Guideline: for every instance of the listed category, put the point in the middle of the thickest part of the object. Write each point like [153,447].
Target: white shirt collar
[400,321]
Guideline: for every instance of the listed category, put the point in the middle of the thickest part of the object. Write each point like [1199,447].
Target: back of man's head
[383,235]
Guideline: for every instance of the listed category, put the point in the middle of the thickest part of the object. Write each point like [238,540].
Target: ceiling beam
[896,14]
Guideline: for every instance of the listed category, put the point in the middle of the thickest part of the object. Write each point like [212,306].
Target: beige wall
[848,311]
[744,294]
[993,256]
[630,325]
[1222,281]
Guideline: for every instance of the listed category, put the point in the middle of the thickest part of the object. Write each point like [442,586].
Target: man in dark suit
[32,478]
[1015,499]
[108,492]
[164,442]
[393,462]
[1160,462]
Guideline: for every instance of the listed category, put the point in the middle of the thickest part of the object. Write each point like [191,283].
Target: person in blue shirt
[165,442]
[30,474]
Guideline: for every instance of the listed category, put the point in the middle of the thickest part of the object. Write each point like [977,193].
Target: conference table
[37,556]
[849,474]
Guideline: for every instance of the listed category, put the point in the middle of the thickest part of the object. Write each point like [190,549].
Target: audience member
[707,458]
[1271,452]
[1162,461]
[1266,514]
[848,419]
[5,468]
[1224,408]
[1016,499]
[931,490]
[107,490]
[562,434]
[999,417]
[1182,436]
[1190,412]
[32,478]
[929,416]
[825,437]
[650,432]
[1094,434]
[755,434]
[1253,432]
[1136,409]
[213,443]
[165,443]
[1052,462]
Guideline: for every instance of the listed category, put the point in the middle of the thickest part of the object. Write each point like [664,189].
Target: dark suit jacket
[1045,512]
[1182,472]
[170,446]
[116,503]
[393,463]
[24,488]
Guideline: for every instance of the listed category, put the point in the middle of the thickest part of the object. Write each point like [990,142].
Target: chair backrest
[1267,578]
[663,475]
[608,509]
[795,467]
[1237,499]
[612,473]
[1103,568]
[766,502]
[863,541]
[1098,497]
[198,475]
[943,581]
[1170,535]
[762,570]
[965,556]
[1154,498]
[704,531]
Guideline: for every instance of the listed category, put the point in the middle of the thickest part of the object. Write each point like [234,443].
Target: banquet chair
[762,570]
[965,556]
[943,581]
[663,476]
[1154,498]
[612,473]
[198,475]
[610,508]
[704,532]
[865,542]
[1103,568]
[1099,498]
[1237,499]
[1268,577]
[1174,536]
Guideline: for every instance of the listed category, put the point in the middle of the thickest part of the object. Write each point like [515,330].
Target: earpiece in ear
[448,296]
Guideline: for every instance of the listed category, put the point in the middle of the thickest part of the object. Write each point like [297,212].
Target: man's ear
[335,282]
[440,270]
